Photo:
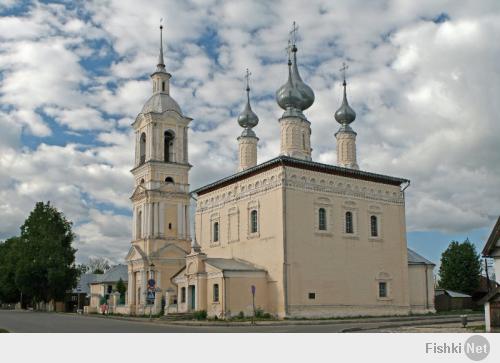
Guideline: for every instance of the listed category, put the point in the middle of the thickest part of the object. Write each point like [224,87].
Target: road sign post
[253,304]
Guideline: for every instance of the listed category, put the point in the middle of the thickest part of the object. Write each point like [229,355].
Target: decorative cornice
[301,164]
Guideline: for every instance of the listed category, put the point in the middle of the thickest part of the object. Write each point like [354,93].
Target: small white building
[492,300]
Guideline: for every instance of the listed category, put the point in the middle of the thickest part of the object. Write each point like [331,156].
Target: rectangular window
[216,232]
[163,86]
[253,222]
[382,289]
[349,228]
[216,292]
[312,296]
[322,219]
[374,226]
[183,294]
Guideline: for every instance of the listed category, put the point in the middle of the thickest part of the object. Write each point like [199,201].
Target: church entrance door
[192,297]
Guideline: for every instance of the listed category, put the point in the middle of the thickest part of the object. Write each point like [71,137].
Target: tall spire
[160,67]
[345,114]
[346,137]
[247,118]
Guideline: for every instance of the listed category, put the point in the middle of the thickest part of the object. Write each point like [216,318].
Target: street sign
[253,289]
[150,297]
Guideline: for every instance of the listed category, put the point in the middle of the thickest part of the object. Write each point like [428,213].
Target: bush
[200,315]
[260,314]
[241,315]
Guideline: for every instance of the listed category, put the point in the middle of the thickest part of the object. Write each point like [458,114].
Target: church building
[290,236]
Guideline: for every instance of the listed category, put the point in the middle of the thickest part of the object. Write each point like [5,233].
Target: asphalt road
[38,322]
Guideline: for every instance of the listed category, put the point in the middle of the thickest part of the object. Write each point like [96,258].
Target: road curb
[396,322]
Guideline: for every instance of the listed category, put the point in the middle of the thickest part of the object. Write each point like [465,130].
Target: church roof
[161,102]
[416,259]
[83,283]
[229,264]
[283,160]
[114,274]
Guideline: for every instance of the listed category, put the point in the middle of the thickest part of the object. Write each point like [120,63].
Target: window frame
[374,221]
[183,294]
[216,232]
[254,221]
[322,219]
[385,290]
[349,223]
[215,293]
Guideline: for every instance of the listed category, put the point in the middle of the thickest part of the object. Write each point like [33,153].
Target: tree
[122,289]
[46,268]
[98,265]
[460,268]
[9,255]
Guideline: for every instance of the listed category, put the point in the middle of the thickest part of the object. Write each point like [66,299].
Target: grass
[3,330]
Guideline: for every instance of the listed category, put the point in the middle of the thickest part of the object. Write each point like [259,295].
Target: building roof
[283,160]
[416,259]
[456,294]
[114,274]
[492,239]
[83,283]
[492,294]
[161,102]
[452,293]
[230,264]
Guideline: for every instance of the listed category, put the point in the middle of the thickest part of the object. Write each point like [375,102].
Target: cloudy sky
[423,78]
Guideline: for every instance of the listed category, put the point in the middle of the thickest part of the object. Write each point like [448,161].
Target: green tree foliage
[46,268]
[460,268]
[121,287]
[9,255]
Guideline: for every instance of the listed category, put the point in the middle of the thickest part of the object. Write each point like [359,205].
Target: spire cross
[293,33]
[343,70]
[288,50]
[161,62]
[161,32]
[247,77]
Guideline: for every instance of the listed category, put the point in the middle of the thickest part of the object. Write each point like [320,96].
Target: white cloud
[425,93]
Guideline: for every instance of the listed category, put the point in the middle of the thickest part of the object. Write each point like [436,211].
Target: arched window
[169,179]
[168,140]
[142,181]
[163,86]
[322,219]
[142,148]
[216,232]
[374,226]
[139,225]
[253,221]
[348,223]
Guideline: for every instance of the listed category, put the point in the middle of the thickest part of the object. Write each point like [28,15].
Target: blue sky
[423,79]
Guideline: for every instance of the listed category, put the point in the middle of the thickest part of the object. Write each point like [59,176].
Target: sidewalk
[395,321]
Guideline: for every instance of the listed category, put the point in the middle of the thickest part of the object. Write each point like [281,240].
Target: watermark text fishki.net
[476,348]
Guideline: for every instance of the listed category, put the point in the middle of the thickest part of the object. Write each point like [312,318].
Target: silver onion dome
[247,118]
[294,94]
[345,114]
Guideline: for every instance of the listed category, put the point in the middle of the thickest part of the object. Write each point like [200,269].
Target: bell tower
[160,201]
